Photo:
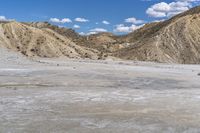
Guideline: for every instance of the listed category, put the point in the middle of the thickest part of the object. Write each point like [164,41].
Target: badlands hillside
[176,40]
[45,42]
[90,93]
[173,41]
[103,42]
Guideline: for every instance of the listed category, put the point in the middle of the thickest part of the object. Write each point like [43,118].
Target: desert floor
[83,96]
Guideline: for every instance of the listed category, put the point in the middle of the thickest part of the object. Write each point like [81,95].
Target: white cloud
[76,26]
[121,28]
[133,20]
[87,34]
[163,9]
[82,20]
[98,30]
[135,27]
[64,20]
[82,33]
[105,22]
[93,31]
[3,18]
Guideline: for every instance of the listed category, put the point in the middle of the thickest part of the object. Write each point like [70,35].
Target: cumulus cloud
[82,20]
[121,28]
[76,26]
[164,9]
[3,18]
[93,31]
[105,22]
[133,20]
[82,33]
[161,20]
[98,30]
[64,20]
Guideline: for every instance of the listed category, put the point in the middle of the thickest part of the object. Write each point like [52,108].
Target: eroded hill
[45,42]
[176,40]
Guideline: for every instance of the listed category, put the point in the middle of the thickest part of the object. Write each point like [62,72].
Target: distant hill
[176,40]
[43,42]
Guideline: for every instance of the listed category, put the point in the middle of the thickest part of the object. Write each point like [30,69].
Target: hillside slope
[32,41]
[104,42]
[174,41]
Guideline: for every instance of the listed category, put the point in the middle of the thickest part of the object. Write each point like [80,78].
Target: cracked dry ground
[98,97]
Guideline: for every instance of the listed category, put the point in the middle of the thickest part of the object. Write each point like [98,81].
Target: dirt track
[97,97]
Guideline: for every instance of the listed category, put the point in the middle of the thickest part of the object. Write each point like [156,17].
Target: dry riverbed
[82,96]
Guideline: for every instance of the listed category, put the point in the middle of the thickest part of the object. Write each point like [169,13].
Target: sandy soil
[82,96]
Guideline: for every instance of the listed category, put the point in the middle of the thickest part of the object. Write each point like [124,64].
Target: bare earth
[82,96]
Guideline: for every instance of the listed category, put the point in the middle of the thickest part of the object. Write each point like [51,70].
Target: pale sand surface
[83,96]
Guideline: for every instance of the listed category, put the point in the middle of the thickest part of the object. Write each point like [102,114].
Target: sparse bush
[32,50]
[195,17]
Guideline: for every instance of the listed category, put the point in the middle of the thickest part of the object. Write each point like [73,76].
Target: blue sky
[87,16]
